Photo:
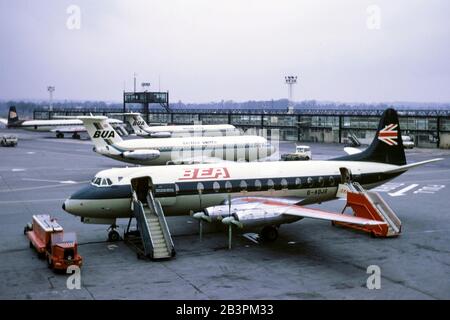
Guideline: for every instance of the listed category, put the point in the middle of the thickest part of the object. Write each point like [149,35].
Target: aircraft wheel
[269,233]
[113,236]
[60,135]
[76,136]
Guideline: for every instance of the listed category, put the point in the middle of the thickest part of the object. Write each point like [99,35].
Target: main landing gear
[76,136]
[60,135]
[113,235]
[269,233]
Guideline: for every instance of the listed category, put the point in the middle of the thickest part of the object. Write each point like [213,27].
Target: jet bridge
[369,205]
[152,238]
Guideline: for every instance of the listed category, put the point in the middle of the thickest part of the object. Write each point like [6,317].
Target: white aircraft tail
[100,131]
[137,123]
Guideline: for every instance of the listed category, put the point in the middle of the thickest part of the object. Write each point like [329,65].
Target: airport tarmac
[310,260]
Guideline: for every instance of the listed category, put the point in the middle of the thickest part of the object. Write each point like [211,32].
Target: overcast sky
[209,50]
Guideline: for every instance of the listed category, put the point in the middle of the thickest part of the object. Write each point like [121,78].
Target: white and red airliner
[261,194]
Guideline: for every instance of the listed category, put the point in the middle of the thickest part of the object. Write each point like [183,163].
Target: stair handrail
[165,228]
[137,205]
[389,212]
[162,221]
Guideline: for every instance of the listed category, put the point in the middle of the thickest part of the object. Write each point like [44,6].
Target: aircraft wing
[69,129]
[280,206]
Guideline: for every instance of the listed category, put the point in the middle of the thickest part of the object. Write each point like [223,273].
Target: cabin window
[258,185]
[177,188]
[200,187]
[331,181]
[284,184]
[298,182]
[310,181]
[243,185]
[321,181]
[270,184]
[228,186]
[216,186]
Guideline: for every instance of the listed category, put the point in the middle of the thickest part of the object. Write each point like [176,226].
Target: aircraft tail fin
[100,131]
[387,146]
[137,123]
[12,115]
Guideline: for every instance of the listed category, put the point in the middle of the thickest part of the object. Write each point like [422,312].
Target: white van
[408,142]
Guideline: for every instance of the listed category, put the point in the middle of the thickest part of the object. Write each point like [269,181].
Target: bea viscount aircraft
[266,194]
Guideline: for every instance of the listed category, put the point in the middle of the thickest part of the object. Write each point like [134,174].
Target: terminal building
[429,128]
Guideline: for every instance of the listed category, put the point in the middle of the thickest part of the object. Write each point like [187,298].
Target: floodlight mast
[290,81]
[50,90]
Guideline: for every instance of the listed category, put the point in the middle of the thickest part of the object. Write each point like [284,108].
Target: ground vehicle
[408,142]
[301,153]
[8,141]
[51,242]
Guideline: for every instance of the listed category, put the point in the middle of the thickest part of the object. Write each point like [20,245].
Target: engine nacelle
[141,154]
[165,134]
[248,216]
[106,150]
[259,217]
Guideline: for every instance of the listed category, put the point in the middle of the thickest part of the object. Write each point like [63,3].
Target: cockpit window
[101,182]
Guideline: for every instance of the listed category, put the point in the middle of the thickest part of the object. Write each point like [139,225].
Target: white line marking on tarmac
[389,186]
[252,237]
[36,200]
[18,170]
[44,180]
[403,191]
[31,152]
[430,189]
[41,187]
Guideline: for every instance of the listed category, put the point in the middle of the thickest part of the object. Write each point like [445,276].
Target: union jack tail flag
[389,134]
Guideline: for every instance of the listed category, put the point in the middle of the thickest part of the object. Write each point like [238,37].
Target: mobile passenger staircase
[152,238]
[370,205]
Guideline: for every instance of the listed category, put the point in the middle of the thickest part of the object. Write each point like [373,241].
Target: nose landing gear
[113,235]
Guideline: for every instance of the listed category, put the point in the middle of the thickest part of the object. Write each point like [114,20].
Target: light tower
[290,81]
[50,90]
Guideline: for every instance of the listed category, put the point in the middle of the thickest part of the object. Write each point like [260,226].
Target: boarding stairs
[370,205]
[354,142]
[155,234]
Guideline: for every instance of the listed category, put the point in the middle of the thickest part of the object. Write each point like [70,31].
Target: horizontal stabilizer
[412,165]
